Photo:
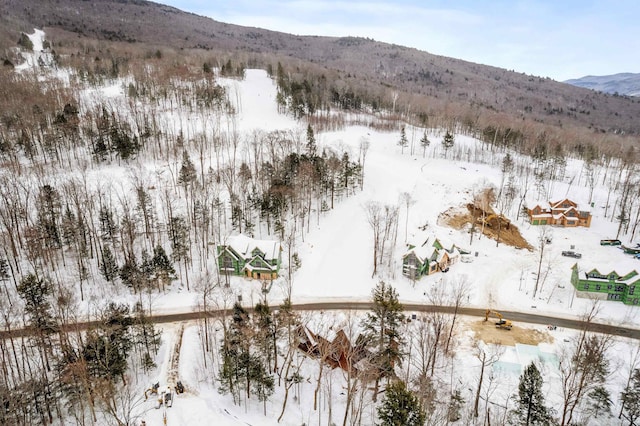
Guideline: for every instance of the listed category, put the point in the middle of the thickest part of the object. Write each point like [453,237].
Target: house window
[598,287]
[620,288]
[227,263]
[585,287]
[632,289]
[609,287]
[635,301]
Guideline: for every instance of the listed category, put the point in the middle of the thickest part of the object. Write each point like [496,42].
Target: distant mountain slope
[623,84]
[466,90]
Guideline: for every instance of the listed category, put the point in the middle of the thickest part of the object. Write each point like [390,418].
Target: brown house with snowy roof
[560,213]
[336,350]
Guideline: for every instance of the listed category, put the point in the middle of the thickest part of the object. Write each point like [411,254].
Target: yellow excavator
[502,323]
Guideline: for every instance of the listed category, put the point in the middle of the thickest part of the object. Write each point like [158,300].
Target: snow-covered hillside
[335,248]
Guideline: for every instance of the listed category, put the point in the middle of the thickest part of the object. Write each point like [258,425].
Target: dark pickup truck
[570,253]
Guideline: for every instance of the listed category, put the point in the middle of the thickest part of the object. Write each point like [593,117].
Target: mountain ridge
[423,80]
[624,83]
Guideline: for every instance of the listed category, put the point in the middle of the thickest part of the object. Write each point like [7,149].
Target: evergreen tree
[235,353]
[36,293]
[187,174]
[265,332]
[146,267]
[106,350]
[530,408]
[122,143]
[25,42]
[382,331]
[108,225]
[144,207]
[144,334]
[599,402]
[424,143]
[403,142]
[311,142]
[447,142]
[108,267]
[259,379]
[507,164]
[178,235]
[242,369]
[631,399]
[400,407]
[68,226]
[49,206]
[163,270]
[131,275]
[100,149]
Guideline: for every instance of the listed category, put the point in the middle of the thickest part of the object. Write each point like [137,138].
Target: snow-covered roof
[581,205]
[263,265]
[627,278]
[244,246]
[426,250]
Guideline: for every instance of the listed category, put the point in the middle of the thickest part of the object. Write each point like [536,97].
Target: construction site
[479,217]
[504,332]
[161,394]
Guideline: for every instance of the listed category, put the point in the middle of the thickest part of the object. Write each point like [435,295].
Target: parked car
[610,242]
[570,253]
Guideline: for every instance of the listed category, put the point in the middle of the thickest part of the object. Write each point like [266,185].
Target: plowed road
[517,317]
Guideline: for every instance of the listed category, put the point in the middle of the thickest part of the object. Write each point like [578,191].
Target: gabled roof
[260,264]
[245,246]
[557,204]
[432,249]
[553,205]
[629,278]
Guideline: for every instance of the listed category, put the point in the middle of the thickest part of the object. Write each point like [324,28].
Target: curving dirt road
[359,306]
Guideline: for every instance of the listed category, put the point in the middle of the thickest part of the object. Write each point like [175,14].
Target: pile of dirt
[477,218]
[489,333]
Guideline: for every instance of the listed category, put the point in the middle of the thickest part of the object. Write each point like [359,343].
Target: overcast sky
[560,39]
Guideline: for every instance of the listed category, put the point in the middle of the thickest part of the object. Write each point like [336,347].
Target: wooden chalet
[335,352]
[560,213]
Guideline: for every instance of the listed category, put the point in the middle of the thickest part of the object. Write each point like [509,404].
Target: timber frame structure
[560,213]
